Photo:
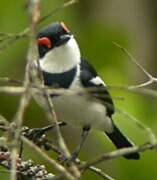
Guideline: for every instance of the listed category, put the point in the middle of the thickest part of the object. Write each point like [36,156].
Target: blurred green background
[96,25]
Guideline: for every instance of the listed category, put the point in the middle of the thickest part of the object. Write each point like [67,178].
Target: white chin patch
[62,58]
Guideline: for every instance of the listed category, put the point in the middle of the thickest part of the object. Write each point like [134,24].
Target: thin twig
[13,90]
[118,153]
[10,80]
[144,91]
[14,38]
[100,173]
[131,57]
[25,99]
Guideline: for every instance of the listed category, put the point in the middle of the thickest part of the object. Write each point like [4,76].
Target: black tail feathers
[120,141]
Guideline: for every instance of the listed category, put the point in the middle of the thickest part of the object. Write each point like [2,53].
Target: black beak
[64,38]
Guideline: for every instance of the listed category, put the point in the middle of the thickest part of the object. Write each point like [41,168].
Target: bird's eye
[44,41]
[64,27]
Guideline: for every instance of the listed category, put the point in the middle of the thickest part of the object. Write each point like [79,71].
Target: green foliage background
[95,40]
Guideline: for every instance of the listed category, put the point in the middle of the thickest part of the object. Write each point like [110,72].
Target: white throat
[62,58]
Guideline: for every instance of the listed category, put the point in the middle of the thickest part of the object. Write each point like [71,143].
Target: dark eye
[44,41]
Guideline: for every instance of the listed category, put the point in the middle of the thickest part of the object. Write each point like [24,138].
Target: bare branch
[9,80]
[25,99]
[118,153]
[100,173]
[11,38]
[144,91]
[151,78]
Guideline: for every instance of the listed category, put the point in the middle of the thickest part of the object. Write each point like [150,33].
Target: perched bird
[91,104]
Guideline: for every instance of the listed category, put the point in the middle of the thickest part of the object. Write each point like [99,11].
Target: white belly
[80,111]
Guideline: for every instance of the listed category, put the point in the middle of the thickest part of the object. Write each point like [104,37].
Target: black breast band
[61,80]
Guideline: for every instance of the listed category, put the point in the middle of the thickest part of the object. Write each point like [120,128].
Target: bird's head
[57,46]
[54,36]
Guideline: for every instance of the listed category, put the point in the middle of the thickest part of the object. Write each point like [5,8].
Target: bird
[90,105]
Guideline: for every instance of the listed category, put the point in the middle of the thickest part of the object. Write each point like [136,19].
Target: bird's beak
[65,38]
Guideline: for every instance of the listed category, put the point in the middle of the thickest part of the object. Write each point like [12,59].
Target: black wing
[98,90]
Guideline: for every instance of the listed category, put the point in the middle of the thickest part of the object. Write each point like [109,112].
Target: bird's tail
[120,141]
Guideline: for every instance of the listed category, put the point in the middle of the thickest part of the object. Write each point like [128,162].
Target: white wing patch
[97,81]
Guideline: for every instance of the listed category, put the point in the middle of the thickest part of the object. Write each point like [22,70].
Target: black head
[55,35]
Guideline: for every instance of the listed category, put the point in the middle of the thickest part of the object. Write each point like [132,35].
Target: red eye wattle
[45,42]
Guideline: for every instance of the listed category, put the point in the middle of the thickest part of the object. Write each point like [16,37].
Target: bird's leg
[85,132]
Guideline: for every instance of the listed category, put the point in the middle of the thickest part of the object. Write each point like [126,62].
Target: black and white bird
[62,66]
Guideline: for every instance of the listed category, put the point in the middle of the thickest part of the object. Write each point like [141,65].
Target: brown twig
[25,99]
[6,42]
[140,91]
[10,80]
[100,173]
[118,153]
[151,79]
